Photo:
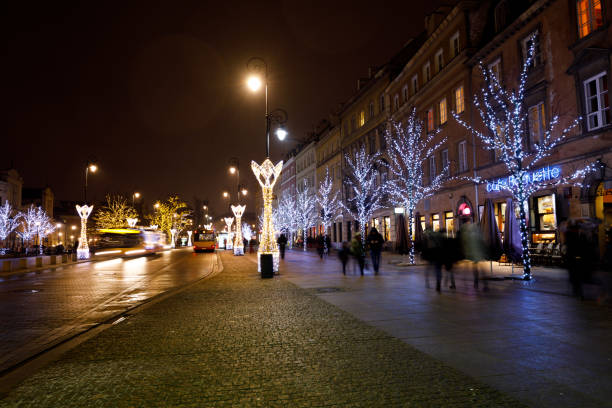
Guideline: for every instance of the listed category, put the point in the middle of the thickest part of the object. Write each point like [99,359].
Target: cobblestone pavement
[237,340]
[527,339]
[39,309]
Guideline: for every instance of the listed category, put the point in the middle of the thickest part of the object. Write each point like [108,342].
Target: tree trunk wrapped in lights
[263,174]
[83,248]
[504,114]
[305,211]
[328,202]
[238,210]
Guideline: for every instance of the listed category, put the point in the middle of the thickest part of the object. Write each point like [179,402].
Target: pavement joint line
[16,373]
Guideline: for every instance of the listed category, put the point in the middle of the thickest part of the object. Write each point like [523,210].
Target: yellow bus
[204,240]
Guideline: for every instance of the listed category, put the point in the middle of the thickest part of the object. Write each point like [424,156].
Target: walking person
[327,244]
[343,254]
[432,252]
[452,254]
[358,251]
[375,242]
[472,246]
[282,244]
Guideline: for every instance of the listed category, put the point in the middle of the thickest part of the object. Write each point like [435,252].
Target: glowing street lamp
[244,191]
[90,167]
[225,194]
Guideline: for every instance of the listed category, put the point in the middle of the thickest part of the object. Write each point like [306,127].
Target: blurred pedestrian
[472,247]
[343,254]
[358,251]
[282,243]
[375,243]
[320,245]
[451,250]
[327,244]
[580,255]
[432,252]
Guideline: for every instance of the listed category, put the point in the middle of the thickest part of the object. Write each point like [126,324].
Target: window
[494,70]
[435,222]
[432,168]
[537,123]
[445,162]
[405,93]
[426,72]
[597,101]
[590,17]
[439,60]
[382,103]
[462,153]
[415,84]
[454,45]
[459,104]
[353,123]
[361,118]
[430,120]
[526,44]
[371,108]
[442,111]
[449,224]
[387,228]
[396,102]
[372,140]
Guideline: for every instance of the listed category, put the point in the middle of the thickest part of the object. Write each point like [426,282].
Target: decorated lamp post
[189,243]
[238,210]
[132,222]
[264,174]
[173,237]
[83,248]
[229,221]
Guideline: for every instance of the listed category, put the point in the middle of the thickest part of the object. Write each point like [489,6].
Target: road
[41,309]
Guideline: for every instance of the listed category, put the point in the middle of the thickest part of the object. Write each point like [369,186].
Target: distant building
[11,184]
[38,197]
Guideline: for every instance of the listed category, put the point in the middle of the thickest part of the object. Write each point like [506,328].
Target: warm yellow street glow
[254,83]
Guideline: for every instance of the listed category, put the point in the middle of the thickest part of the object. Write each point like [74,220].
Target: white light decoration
[238,210]
[408,148]
[263,174]
[208,226]
[132,222]
[173,238]
[189,233]
[247,232]
[364,195]
[305,210]
[229,221]
[504,113]
[83,248]
[9,221]
[328,202]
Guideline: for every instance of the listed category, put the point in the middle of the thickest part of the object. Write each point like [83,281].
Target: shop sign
[544,174]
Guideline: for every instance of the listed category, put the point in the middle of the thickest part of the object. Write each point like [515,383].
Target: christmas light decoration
[238,210]
[132,222]
[287,217]
[189,242]
[263,174]
[408,148]
[83,248]
[247,232]
[229,221]
[9,221]
[504,114]
[208,226]
[328,202]
[305,210]
[173,238]
[364,194]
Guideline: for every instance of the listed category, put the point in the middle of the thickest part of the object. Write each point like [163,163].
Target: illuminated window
[537,123]
[597,102]
[590,17]
[426,72]
[435,222]
[459,104]
[430,120]
[442,111]
[361,118]
[449,223]
[387,228]
[439,60]
[454,45]
[415,84]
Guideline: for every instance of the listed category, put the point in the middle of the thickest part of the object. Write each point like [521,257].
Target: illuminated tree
[170,214]
[9,221]
[114,213]
[35,223]
[305,210]
[364,194]
[408,149]
[328,201]
[504,114]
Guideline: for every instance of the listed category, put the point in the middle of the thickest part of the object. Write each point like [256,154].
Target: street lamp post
[89,167]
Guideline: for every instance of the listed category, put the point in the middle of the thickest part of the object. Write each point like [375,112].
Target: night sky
[154,91]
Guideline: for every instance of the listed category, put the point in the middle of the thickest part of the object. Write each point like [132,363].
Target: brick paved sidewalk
[238,340]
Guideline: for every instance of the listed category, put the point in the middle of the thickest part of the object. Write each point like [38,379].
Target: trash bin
[266,263]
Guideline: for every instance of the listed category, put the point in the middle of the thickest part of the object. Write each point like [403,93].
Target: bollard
[52,259]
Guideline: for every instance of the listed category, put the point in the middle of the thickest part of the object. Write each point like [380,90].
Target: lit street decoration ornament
[238,210]
[208,226]
[229,221]
[189,241]
[132,222]
[83,248]
[173,243]
[263,175]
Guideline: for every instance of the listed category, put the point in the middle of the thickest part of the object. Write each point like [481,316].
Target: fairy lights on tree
[247,232]
[364,194]
[9,221]
[287,217]
[504,114]
[115,213]
[408,148]
[328,202]
[305,210]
